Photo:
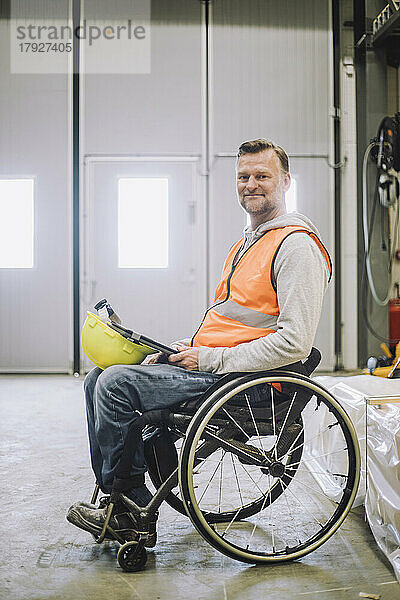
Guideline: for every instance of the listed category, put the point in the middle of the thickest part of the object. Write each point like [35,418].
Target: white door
[144,244]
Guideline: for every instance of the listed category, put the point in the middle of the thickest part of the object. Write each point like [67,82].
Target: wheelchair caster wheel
[131,558]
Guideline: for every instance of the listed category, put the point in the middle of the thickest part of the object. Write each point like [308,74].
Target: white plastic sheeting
[383,494]
[320,448]
[382,499]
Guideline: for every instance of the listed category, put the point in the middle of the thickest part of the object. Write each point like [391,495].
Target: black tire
[131,559]
[289,524]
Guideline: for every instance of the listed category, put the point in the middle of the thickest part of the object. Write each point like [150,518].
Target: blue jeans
[116,396]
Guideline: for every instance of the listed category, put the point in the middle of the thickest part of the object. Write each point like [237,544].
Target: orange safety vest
[246,305]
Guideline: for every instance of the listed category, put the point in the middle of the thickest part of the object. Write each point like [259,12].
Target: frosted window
[291,197]
[143,223]
[16,223]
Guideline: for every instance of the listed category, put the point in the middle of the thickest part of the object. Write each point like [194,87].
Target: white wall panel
[270,78]
[157,112]
[314,199]
[271,75]
[228,218]
[35,313]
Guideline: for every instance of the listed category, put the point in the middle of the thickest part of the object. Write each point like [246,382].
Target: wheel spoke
[322,455]
[314,490]
[230,523]
[255,425]
[328,428]
[237,480]
[291,449]
[286,418]
[220,481]
[270,516]
[302,505]
[209,483]
[290,511]
[255,483]
[274,422]
[236,423]
[305,468]
[255,524]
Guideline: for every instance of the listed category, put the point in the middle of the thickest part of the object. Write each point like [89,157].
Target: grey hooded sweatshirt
[301,275]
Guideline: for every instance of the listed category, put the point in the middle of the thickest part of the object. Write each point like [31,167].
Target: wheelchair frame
[209,429]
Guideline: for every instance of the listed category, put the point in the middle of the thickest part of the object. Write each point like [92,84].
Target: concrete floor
[44,469]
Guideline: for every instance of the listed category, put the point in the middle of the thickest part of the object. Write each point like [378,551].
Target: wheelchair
[241,463]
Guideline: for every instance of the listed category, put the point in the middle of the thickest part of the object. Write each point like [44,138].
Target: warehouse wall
[268,75]
[264,71]
[373,105]
[35,313]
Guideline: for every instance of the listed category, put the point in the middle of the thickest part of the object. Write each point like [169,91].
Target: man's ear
[286,182]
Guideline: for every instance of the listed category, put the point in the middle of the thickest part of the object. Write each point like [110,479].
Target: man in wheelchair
[265,314]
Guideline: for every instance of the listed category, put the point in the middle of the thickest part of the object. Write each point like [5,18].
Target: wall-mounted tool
[384,152]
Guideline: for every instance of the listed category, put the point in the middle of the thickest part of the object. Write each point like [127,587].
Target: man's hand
[151,359]
[187,358]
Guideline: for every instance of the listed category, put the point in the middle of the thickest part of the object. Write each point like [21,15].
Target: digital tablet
[138,338]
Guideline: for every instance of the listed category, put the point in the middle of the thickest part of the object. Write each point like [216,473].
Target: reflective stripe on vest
[246,304]
[247,316]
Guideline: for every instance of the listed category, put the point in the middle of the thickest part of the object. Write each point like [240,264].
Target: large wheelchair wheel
[300,502]
[159,470]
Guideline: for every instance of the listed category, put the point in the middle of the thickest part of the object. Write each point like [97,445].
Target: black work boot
[91,519]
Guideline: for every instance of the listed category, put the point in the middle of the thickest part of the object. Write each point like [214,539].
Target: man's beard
[259,206]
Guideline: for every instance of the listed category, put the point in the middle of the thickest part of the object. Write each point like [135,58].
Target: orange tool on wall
[394,319]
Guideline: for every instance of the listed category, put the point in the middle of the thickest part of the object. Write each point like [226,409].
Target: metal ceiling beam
[388,27]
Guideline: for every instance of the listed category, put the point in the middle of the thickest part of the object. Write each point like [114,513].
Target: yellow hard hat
[105,346]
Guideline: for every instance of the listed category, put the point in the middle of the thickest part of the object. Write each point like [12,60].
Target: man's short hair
[256,146]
